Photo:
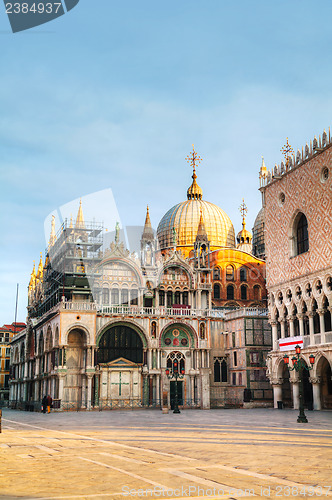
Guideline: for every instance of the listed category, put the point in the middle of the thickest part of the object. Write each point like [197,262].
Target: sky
[110,97]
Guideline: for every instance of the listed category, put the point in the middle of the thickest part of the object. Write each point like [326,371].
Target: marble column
[157,389]
[274,335]
[300,317]
[89,391]
[277,390]
[291,326]
[311,328]
[322,325]
[282,327]
[316,391]
[296,392]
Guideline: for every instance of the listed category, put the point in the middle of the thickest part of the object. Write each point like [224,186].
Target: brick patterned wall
[304,192]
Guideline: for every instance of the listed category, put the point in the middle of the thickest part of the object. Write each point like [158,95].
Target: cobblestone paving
[220,454]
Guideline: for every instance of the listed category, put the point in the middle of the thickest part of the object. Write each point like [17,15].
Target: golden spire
[40,269]
[52,235]
[148,231]
[32,282]
[194,192]
[80,224]
[287,151]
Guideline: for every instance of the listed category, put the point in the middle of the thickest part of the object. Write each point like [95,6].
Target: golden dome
[184,218]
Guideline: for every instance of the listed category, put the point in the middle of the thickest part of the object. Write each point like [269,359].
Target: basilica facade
[105,324]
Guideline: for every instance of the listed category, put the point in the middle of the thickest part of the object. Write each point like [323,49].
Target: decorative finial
[287,151]
[194,192]
[174,236]
[80,224]
[193,159]
[243,210]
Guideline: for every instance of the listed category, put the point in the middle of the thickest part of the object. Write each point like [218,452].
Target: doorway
[172,393]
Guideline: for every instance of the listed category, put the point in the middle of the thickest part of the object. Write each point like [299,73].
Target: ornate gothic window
[220,369]
[177,357]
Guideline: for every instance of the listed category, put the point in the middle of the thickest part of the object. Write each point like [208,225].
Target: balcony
[159,311]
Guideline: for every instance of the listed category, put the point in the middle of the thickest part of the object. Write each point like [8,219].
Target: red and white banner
[289,343]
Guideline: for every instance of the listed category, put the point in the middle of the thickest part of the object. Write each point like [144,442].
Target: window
[216,273]
[105,296]
[216,291]
[7,365]
[234,378]
[230,292]
[161,298]
[302,238]
[220,369]
[124,296]
[243,274]
[134,297]
[229,273]
[244,292]
[257,292]
[115,296]
[235,358]
[254,358]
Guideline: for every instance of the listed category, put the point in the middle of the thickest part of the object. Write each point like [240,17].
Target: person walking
[44,404]
[49,402]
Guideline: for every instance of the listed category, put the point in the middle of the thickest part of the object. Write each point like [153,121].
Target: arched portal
[120,352]
[325,383]
[120,341]
[75,360]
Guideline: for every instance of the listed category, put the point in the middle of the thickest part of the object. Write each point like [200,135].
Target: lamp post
[299,365]
[174,373]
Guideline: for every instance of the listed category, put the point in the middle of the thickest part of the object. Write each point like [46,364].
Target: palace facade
[297,207]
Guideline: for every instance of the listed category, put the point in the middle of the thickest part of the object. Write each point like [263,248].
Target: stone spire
[201,231]
[80,224]
[148,231]
[71,222]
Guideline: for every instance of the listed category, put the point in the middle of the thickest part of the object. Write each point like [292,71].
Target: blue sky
[113,94]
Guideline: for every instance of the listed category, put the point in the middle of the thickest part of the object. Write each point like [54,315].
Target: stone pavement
[220,454]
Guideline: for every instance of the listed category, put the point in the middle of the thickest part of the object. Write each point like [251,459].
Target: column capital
[300,316]
[321,312]
[315,380]
[277,381]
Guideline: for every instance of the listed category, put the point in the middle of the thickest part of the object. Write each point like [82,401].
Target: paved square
[116,455]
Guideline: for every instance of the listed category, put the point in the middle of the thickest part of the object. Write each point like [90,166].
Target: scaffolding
[71,264]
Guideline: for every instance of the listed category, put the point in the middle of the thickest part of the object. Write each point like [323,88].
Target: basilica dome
[181,222]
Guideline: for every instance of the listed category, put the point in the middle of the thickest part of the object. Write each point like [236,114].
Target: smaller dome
[194,191]
[258,239]
[244,239]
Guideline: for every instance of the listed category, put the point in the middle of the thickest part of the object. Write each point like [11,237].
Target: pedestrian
[44,404]
[49,402]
